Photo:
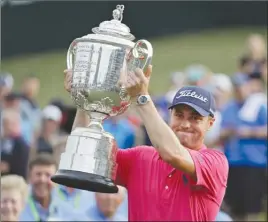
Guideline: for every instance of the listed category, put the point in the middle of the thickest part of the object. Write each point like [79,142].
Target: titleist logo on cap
[193,94]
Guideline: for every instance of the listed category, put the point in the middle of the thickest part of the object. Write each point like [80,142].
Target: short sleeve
[211,169]
[125,159]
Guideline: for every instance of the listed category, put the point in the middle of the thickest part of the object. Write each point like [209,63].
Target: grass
[218,49]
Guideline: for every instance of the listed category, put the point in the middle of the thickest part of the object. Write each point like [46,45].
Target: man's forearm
[81,119]
[260,132]
[161,136]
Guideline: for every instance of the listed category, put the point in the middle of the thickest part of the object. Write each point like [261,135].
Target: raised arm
[162,137]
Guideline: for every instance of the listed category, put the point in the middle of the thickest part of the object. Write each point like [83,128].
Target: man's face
[108,203]
[11,125]
[189,126]
[13,104]
[51,126]
[11,205]
[40,180]
[31,87]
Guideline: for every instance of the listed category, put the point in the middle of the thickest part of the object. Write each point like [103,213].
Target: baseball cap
[222,82]
[52,112]
[196,97]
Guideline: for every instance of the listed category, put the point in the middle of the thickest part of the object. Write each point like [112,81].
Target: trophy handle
[140,55]
[70,55]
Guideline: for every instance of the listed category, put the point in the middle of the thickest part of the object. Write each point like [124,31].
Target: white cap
[222,82]
[52,112]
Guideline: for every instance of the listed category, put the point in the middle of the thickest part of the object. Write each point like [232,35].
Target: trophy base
[84,181]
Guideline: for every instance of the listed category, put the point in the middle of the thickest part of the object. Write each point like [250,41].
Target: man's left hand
[137,82]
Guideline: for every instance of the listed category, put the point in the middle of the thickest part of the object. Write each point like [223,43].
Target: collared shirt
[94,214]
[78,199]
[58,209]
[244,151]
[157,191]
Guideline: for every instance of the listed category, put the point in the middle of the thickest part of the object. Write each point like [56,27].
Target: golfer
[179,178]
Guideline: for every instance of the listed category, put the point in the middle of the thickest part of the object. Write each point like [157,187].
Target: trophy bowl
[99,61]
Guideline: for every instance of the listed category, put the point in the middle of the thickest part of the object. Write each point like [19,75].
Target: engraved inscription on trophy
[116,61]
[81,65]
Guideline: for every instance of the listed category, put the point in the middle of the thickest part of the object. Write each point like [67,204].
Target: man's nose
[185,124]
[8,204]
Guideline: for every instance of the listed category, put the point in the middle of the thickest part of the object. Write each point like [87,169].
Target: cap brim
[201,111]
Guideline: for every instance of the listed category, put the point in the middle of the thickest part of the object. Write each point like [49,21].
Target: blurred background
[221,46]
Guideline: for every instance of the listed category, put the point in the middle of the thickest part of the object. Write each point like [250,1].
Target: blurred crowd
[32,140]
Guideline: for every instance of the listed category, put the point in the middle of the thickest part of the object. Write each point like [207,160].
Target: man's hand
[137,82]
[68,79]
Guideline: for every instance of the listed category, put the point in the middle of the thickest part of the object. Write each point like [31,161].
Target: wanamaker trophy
[98,62]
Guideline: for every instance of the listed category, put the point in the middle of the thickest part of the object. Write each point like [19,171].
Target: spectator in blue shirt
[122,130]
[77,199]
[244,136]
[42,204]
[107,207]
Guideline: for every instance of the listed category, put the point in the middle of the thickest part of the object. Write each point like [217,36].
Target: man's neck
[43,201]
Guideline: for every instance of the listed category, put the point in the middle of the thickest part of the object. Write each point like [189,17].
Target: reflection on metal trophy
[98,62]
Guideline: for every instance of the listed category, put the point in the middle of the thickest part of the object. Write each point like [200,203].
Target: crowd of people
[32,140]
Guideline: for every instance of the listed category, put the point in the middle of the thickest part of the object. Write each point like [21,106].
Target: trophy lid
[114,27]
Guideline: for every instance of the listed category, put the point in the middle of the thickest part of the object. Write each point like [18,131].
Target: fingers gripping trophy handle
[141,55]
[70,55]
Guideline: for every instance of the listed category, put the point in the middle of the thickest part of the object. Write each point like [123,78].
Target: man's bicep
[211,169]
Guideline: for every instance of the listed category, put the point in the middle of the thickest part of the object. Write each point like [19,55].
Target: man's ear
[211,121]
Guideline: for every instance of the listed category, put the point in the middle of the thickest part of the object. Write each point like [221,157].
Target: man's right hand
[67,79]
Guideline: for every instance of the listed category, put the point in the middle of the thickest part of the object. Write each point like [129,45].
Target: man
[244,137]
[14,150]
[42,203]
[13,101]
[178,179]
[221,89]
[51,139]
[106,207]
[77,199]
[30,110]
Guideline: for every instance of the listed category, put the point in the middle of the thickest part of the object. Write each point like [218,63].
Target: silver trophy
[99,61]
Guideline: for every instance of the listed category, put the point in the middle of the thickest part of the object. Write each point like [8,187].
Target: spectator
[176,82]
[77,199]
[51,139]
[43,204]
[13,101]
[14,150]
[29,108]
[221,88]
[14,191]
[122,130]
[245,143]
[106,207]
[256,47]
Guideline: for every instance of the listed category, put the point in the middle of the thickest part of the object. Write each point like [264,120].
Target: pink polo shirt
[158,192]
